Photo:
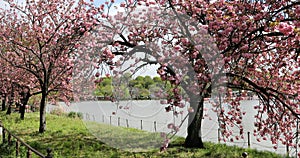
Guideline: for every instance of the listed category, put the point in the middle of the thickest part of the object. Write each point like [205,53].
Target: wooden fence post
[20,142]
[110,120]
[49,155]
[219,135]
[154,126]
[118,121]
[28,153]
[248,139]
[287,150]
[17,148]
[127,124]
[9,139]
[141,124]
[87,116]
[3,135]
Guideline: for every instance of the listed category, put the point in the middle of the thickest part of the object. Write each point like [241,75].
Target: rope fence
[141,124]
[156,126]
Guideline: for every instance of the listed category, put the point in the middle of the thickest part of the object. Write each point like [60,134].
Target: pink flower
[190,110]
[97,74]
[177,47]
[285,28]
[122,4]
[163,135]
[77,45]
[171,125]
[176,128]
[185,41]
[297,111]
[181,105]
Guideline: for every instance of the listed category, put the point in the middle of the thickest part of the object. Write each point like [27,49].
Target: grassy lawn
[69,138]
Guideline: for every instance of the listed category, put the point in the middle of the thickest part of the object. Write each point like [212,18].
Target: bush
[57,111]
[73,114]
[80,115]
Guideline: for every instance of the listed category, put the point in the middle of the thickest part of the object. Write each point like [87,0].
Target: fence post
[28,153]
[219,137]
[154,126]
[248,139]
[110,120]
[141,124]
[49,155]
[127,124]
[3,135]
[287,150]
[118,121]
[17,148]
[87,116]
[9,139]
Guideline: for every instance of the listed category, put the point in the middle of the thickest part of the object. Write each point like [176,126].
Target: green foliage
[57,111]
[34,102]
[69,138]
[73,114]
[139,88]
[104,88]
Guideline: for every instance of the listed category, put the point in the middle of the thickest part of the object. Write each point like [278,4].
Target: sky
[99,2]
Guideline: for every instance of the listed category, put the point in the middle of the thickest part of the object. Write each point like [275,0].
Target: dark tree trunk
[11,99]
[3,106]
[22,111]
[17,106]
[42,127]
[8,112]
[194,138]
[24,101]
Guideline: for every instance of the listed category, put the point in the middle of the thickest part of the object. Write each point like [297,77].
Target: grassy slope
[69,138]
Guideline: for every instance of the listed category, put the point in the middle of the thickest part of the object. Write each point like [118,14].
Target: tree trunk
[10,100]
[42,127]
[3,106]
[24,102]
[17,108]
[22,111]
[194,138]
[8,112]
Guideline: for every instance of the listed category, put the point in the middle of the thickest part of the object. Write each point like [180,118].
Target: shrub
[57,111]
[73,114]
[80,115]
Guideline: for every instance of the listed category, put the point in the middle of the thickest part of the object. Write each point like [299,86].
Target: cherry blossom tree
[4,83]
[8,86]
[19,85]
[40,38]
[255,48]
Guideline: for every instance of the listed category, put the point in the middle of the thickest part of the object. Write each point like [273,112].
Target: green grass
[70,138]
